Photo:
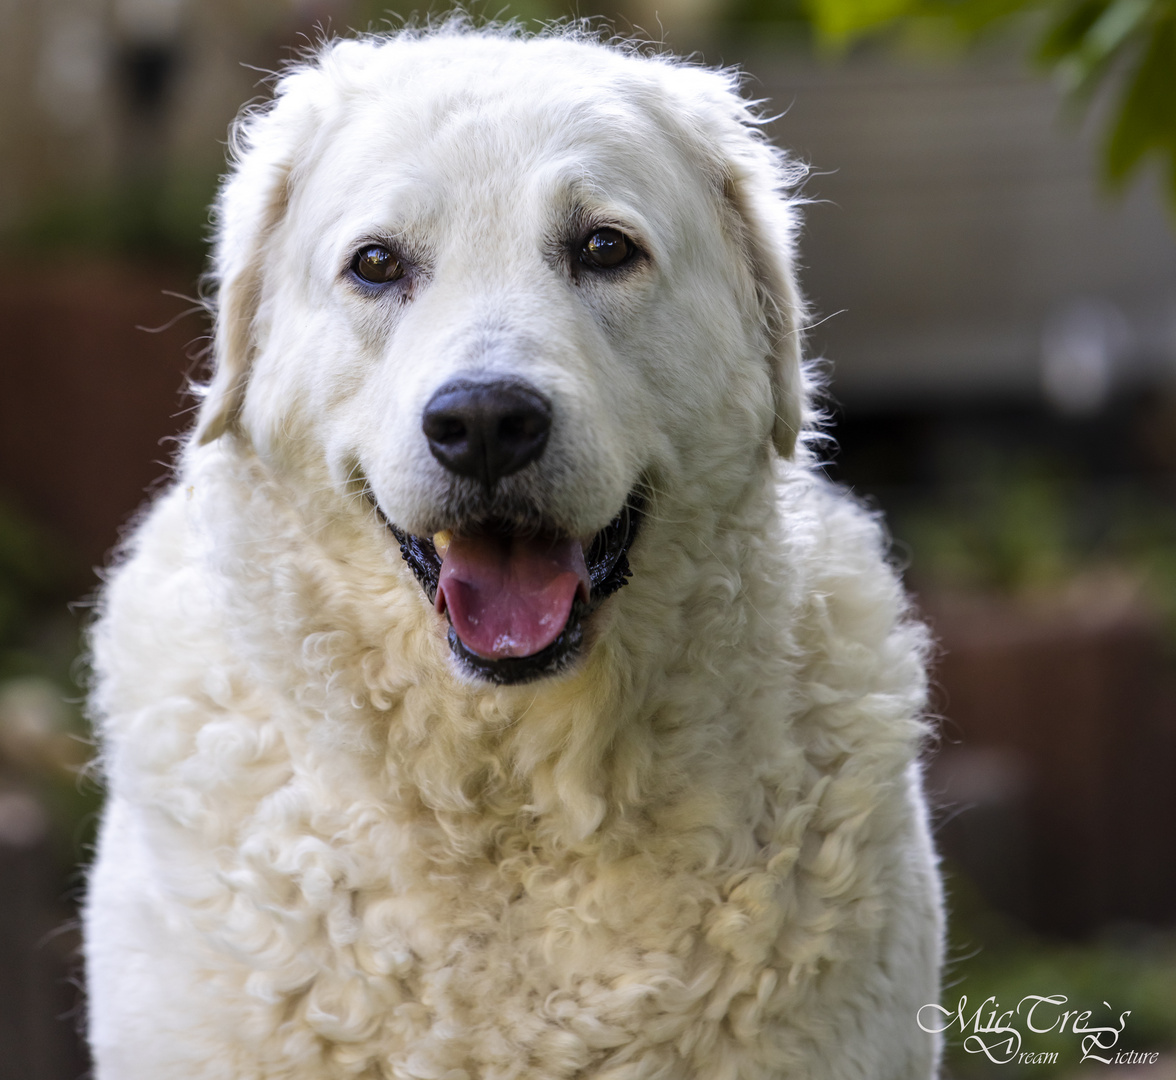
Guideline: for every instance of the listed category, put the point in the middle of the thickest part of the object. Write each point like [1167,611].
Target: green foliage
[1127,47]
[34,571]
[146,219]
[1028,526]
[989,956]
[43,741]
[1010,528]
[1135,977]
[838,20]
[1146,120]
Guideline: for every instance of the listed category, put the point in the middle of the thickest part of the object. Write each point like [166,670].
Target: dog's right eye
[376,265]
[607,248]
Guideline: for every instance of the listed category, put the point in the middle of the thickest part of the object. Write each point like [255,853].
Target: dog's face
[513,292]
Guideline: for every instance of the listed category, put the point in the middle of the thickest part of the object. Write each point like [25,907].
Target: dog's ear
[265,143]
[754,187]
[757,185]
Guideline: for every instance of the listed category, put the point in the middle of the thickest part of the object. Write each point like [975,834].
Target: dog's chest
[527,964]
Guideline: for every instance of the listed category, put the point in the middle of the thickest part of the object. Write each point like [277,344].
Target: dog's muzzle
[515,589]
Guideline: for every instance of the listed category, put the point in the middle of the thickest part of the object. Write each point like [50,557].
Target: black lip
[607,559]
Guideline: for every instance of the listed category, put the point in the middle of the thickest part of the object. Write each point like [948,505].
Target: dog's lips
[510,595]
[552,583]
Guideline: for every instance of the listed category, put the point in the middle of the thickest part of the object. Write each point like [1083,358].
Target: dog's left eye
[377,265]
[607,248]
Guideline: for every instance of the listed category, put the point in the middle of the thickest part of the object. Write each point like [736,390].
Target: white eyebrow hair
[574,189]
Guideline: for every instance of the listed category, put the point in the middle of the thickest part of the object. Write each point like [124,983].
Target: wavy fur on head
[700,853]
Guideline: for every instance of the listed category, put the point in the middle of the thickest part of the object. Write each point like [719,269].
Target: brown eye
[606,248]
[377,265]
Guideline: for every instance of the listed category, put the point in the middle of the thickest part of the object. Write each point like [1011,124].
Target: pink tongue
[510,595]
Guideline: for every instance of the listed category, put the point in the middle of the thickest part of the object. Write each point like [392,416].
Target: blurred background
[990,249]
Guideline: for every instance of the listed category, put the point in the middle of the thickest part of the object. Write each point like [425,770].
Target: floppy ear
[252,201]
[754,181]
[754,186]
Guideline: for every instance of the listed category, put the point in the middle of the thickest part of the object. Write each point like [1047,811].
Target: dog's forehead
[510,147]
[529,128]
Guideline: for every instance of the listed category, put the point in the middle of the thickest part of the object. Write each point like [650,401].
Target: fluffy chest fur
[434,881]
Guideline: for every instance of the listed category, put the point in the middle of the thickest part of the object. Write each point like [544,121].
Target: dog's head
[517,293]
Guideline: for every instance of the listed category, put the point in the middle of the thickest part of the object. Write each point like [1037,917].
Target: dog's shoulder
[860,651]
[160,653]
[839,550]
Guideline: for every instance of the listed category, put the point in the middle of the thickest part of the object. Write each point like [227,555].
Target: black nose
[486,430]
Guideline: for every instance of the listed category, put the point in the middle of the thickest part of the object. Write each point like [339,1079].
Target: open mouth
[516,599]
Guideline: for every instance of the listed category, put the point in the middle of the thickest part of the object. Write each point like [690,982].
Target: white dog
[499,693]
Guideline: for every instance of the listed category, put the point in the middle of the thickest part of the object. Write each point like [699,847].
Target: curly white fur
[703,852]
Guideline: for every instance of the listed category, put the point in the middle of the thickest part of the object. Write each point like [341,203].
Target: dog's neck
[366,690]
